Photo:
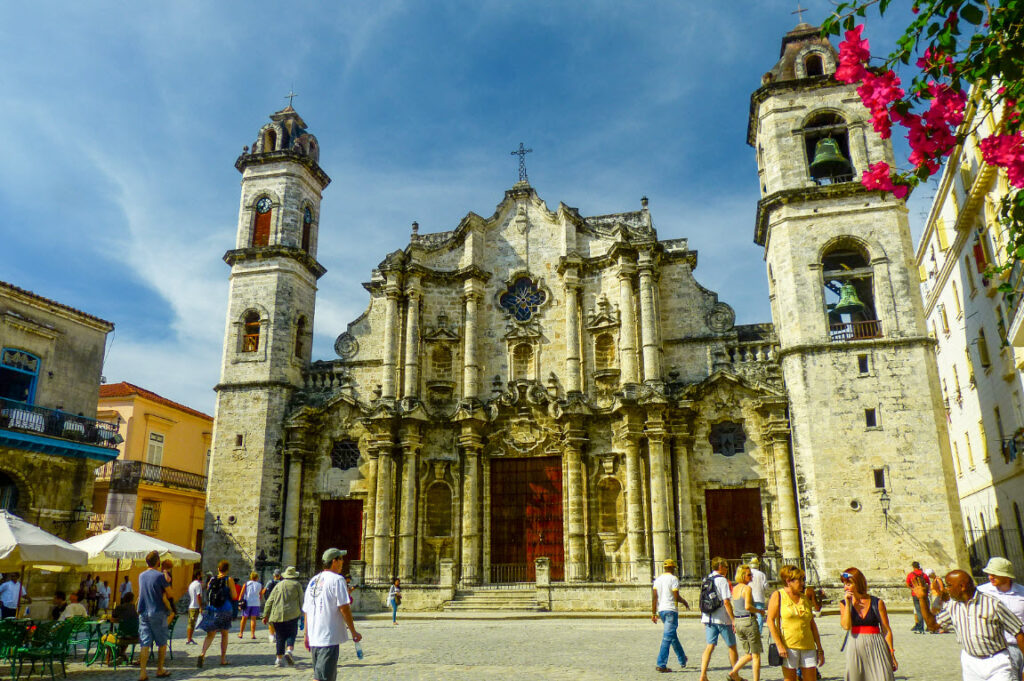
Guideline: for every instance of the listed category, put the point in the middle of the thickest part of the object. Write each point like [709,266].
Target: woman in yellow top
[791,623]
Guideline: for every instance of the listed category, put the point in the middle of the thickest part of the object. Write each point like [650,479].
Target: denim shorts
[713,631]
[153,630]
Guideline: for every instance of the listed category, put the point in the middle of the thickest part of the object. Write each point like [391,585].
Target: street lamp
[79,514]
[885,502]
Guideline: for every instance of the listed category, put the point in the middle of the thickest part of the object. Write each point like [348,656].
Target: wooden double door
[341,527]
[526,517]
[735,522]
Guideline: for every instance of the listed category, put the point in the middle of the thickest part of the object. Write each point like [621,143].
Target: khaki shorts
[193,617]
[748,636]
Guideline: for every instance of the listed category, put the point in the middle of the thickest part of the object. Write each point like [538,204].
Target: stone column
[634,506]
[292,507]
[627,334]
[789,525]
[407,522]
[387,379]
[687,532]
[576,560]
[572,332]
[471,510]
[412,337]
[382,512]
[661,497]
[369,511]
[471,370]
[649,324]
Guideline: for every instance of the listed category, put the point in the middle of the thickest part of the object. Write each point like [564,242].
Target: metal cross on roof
[291,95]
[799,12]
[521,153]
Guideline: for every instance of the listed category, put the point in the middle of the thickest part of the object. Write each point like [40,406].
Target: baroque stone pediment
[603,315]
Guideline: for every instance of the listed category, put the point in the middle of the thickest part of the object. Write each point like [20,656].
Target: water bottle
[359,650]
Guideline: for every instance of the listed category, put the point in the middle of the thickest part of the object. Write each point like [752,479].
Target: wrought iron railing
[131,473]
[510,573]
[855,330]
[32,418]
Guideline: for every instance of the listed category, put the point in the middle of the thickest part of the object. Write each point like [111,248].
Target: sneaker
[289,659]
[191,643]
[278,662]
[271,639]
[663,670]
[199,662]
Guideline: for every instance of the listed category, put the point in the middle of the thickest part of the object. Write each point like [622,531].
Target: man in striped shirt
[980,622]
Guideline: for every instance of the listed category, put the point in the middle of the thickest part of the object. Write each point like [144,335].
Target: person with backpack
[220,596]
[716,614]
[663,605]
[870,655]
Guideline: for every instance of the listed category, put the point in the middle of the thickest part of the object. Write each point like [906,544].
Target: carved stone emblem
[346,346]
[727,438]
[721,318]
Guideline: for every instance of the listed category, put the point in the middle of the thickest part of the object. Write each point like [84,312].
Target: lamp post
[885,501]
[77,515]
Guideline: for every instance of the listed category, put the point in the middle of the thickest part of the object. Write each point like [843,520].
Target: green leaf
[972,14]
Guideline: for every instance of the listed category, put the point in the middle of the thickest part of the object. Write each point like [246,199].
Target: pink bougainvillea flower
[1006,151]
[854,52]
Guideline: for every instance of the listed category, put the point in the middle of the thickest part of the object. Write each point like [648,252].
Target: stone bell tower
[267,340]
[873,473]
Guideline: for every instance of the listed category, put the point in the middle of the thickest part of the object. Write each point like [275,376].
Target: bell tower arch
[271,300]
[858,364]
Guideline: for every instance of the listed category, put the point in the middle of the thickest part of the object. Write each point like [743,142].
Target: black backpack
[218,592]
[710,600]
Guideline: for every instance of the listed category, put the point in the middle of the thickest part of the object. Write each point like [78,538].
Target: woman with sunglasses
[870,655]
[791,623]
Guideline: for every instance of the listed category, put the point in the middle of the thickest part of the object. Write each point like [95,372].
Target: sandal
[164,675]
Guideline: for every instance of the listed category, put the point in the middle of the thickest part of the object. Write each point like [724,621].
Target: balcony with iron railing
[851,331]
[128,475]
[52,431]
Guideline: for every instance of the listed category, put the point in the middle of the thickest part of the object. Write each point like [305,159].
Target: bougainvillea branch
[954,45]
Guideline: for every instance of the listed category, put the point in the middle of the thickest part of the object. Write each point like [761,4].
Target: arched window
[604,351]
[813,66]
[849,293]
[609,493]
[300,337]
[269,141]
[828,149]
[522,362]
[261,223]
[439,510]
[251,332]
[8,493]
[19,371]
[307,228]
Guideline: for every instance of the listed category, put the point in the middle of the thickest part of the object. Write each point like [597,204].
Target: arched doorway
[8,493]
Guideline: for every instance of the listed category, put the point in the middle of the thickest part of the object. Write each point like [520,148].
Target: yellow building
[157,484]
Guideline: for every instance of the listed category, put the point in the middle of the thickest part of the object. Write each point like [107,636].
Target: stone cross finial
[799,12]
[291,95]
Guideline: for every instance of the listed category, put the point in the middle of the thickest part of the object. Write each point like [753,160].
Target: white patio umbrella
[123,547]
[22,545]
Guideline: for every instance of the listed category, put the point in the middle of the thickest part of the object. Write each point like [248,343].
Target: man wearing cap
[328,613]
[663,605]
[1001,585]
[758,583]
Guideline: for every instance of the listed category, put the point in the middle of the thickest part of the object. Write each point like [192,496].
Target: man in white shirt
[328,612]
[720,621]
[74,609]
[10,592]
[758,584]
[663,605]
[1001,585]
[195,606]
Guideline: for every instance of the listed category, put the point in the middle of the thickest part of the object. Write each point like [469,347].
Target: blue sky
[124,121]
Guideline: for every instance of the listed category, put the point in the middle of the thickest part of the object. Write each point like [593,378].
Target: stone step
[498,600]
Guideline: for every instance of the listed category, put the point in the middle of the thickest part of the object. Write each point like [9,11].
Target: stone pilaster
[292,505]
[412,338]
[649,325]
[382,563]
[627,333]
[407,513]
[572,331]
[789,525]
[576,558]
[687,532]
[471,554]
[388,371]
[471,366]
[661,497]
[627,439]
[369,516]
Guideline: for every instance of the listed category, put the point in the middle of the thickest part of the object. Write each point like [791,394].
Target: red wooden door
[735,523]
[341,527]
[526,517]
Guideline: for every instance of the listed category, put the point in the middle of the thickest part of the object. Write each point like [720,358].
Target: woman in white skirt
[870,655]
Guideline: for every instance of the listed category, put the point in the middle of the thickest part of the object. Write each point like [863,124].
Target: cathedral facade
[543,396]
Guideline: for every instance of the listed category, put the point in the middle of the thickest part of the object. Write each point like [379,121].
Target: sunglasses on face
[845,576]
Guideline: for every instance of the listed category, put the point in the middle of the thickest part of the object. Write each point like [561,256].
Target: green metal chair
[13,633]
[126,633]
[48,643]
[81,635]
[170,635]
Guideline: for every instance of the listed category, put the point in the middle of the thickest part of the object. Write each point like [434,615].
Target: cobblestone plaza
[534,649]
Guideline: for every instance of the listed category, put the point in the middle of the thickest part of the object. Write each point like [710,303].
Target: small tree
[959,44]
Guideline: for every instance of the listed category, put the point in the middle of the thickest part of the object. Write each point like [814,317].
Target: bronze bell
[848,303]
[829,160]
